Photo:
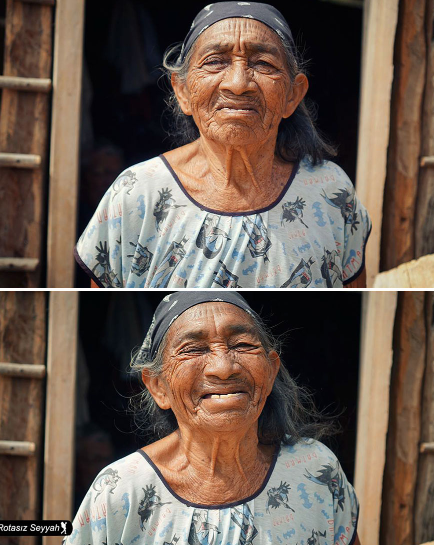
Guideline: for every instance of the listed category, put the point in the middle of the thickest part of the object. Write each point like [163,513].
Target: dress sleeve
[356,233]
[89,525]
[345,508]
[99,249]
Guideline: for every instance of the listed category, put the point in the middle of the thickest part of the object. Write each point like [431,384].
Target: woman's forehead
[228,33]
[209,317]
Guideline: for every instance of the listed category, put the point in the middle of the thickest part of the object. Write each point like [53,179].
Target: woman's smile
[215,403]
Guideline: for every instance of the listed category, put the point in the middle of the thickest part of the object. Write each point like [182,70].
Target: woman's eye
[213,61]
[193,350]
[244,346]
[263,65]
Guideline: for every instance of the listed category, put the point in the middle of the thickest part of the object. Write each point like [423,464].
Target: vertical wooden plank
[60,411]
[376,87]
[24,120]
[22,340]
[424,510]
[424,239]
[65,131]
[398,232]
[400,475]
[378,317]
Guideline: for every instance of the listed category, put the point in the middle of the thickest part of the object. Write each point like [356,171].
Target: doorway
[123,93]
[321,351]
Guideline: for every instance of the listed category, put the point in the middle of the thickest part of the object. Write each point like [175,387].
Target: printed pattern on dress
[210,238]
[148,504]
[307,499]
[146,233]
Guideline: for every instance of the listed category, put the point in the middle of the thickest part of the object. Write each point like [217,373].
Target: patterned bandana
[172,306]
[226,10]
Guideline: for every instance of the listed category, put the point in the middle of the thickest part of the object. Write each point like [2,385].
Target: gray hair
[289,414]
[297,136]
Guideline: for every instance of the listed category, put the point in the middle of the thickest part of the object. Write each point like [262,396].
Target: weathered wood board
[418,273]
[424,509]
[22,339]
[60,413]
[373,410]
[24,127]
[400,474]
[398,228]
[65,137]
[424,238]
[380,21]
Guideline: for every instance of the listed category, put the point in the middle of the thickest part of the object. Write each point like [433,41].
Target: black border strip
[359,272]
[86,268]
[223,506]
[233,214]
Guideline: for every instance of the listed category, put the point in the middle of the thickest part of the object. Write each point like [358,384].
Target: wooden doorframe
[379,29]
[65,142]
[59,452]
[376,358]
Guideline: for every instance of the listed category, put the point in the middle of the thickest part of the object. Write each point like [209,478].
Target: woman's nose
[222,365]
[237,78]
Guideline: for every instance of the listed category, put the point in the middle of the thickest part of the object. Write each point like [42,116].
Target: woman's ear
[298,91]
[182,94]
[156,388]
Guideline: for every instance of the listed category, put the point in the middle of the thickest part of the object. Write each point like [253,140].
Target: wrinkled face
[238,87]
[216,374]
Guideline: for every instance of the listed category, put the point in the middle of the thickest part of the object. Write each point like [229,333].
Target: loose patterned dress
[148,232]
[305,499]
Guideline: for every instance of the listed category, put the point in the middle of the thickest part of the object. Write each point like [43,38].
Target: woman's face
[238,87]
[216,374]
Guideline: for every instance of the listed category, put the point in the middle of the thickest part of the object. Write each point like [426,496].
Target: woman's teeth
[219,396]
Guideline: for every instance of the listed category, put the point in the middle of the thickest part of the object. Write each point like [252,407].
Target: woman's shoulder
[307,451]
[115,478]
[133,175]
[181,156]
[326,173]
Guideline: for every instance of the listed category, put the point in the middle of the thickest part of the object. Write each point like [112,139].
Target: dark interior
[321,350]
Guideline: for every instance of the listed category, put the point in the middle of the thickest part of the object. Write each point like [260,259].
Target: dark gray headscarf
[213,13]
[173,305]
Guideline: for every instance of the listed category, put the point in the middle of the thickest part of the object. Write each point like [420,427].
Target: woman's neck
[220,455]
[240,168]
[212,469]
[230,179]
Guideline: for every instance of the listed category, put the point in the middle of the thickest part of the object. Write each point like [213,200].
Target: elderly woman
[249,201]
[234,464]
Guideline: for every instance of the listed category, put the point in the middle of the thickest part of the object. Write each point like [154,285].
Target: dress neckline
[220,506]
[220,212]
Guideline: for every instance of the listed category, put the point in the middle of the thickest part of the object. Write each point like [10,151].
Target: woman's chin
[225,416]
[234,134]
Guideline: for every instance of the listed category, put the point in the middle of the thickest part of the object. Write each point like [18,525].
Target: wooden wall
[22,340]
[395,443]
[424,500]
[396,130]
[402,451]
[24,127]
[408,217]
